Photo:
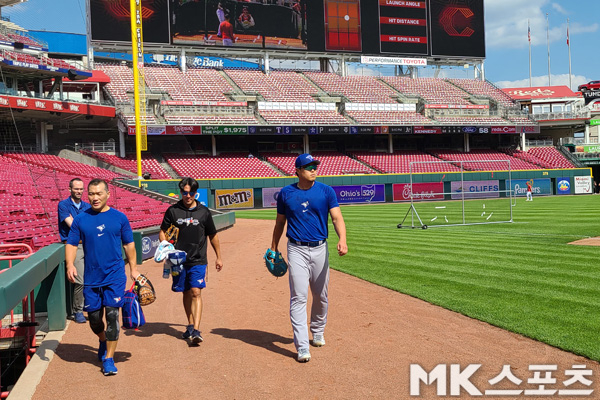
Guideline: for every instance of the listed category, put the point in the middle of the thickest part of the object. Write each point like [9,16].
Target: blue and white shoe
[108,367]
[196,337]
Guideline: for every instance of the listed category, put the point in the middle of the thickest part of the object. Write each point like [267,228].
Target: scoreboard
[424,28]
[403,27]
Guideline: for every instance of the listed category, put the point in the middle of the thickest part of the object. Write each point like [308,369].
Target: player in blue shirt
[103,231]
[67,210]
[306,207]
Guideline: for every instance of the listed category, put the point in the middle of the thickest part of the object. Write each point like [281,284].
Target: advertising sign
[421,191]
[591,149]
[503,129]
[202,197]
[149,244]
[234,198]
[269,196]
[583,185]
[170,130]
[475,189]
[224,130]
[541,187]
[151,130]
[563,186]
[360,194]
[55,106]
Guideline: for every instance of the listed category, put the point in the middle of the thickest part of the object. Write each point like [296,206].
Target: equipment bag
[133,316]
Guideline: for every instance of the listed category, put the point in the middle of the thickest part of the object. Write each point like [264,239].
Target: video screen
[457,29]
[438,28]
[110,20]
[342,25]
[273,24]
[403,27]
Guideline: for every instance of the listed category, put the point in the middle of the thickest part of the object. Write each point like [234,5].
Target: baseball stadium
[469,209]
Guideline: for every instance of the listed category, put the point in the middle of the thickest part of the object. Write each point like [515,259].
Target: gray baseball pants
[78,285]
[308,267]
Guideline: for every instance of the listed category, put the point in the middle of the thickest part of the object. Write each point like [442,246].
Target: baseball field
[524,276]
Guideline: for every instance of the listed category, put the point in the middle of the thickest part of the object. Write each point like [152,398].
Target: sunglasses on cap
[310,167]
[183,193]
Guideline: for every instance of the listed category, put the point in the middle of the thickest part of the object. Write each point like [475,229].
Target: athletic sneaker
[196,337]
[102,351]
[303,355]
[188,332]
[79,318]
[108,367]
[318,340]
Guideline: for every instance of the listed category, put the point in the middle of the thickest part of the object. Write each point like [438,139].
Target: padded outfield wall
[228,194]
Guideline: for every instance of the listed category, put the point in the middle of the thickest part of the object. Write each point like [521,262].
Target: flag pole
[548,41]
[529,39]
[569,47]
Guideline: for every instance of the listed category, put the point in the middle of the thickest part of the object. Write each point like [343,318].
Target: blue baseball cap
[305,159]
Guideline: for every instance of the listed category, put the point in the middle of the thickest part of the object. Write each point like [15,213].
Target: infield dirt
[373,336]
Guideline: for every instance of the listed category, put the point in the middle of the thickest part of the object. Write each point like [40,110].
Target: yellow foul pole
[138,65]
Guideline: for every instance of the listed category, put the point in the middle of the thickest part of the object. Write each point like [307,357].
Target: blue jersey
[67,208]
[103,235]
[307,211]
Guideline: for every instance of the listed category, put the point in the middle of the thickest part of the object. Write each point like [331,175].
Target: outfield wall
[228,194]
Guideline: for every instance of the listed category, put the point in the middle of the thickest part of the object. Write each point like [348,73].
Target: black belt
[309,244]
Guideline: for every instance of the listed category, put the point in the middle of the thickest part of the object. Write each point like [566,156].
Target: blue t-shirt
[103,235]
[307,211]
[67,208]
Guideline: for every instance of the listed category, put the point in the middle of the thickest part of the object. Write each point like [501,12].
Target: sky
[507,47]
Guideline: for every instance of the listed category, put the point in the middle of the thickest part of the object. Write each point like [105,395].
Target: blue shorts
[104,296]
[190,277]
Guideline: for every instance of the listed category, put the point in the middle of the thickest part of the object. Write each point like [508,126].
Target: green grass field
[520,276]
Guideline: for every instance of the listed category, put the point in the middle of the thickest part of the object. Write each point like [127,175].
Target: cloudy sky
[507,47]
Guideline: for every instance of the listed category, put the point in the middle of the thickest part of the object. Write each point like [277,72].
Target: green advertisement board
[591,149]
[594,122]
[224,130]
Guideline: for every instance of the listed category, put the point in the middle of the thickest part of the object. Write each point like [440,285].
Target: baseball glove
[275,263]
[172,234]
[144,290]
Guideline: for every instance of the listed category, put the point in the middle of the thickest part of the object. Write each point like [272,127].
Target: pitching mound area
[595,241]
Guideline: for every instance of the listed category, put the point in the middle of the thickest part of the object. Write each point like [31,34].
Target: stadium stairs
[272,166]
[166,166]
[404,97]
[153,195]
[322,96]
[238,93]
[348,117]
[569,156]
[367,165]
[94,162]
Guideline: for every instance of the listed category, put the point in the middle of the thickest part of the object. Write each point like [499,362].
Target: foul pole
[141,142]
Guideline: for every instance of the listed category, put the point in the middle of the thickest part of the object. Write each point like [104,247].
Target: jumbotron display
[436,28]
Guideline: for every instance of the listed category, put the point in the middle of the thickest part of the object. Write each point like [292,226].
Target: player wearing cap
[529,194]
[305,206]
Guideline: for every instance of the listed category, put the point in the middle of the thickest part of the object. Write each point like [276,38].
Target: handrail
[47,265]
